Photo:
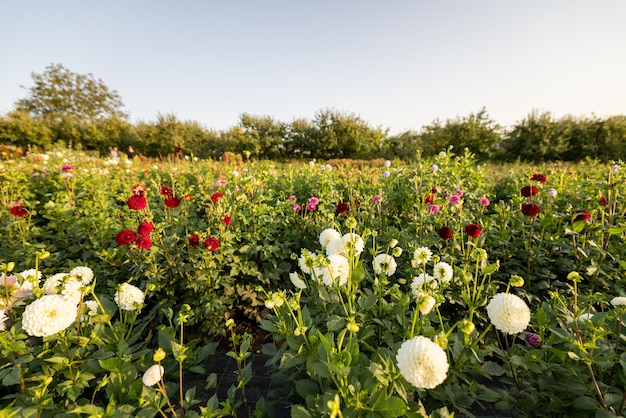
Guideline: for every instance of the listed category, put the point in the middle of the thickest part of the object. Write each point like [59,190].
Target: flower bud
[467,327]
[351,223]
[393,243]
[352,326]
[397,252]
[533,339]
[230,323]
[516,281]
[573,276]
[159,355]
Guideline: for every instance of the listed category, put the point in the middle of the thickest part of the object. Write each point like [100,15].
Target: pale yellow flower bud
[159,355]
[516,281]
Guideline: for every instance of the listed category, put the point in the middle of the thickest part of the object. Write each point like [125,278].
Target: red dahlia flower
[473,230]
[194,240]
[137,202]
[528,191]
[138,190]
[144,242]
[125,237]
[227,220]
[531,209]
[211,244]
[145,228]
[540,178]
[165,191]
[172,202]
[429,199]
[341,208]
[603,201]
[445,233]
[216,197]
[19,211]
[582,215]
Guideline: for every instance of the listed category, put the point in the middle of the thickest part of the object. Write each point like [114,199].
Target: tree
[59,93]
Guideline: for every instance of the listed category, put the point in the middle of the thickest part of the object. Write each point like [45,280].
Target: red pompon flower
[211,244]
[194,240]
[473,230]
[215,197]
[145,228]
[582,215]
[528,191]
[138,190]
[18,211]
[144,242]
[137,202]
[445,233]
[540,178]
[227,220]
[125,237]
[165,191]
[429,199]
[341,208]
[603,201]
[67,167]
[172,202]
[531,209]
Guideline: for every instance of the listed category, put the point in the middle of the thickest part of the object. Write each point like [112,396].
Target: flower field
[387,289]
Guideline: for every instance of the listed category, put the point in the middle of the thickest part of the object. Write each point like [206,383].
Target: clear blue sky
[396,64]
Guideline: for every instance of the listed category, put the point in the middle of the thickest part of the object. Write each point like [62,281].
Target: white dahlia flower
[328,235]
[3,318]
[508,313]
[129,297]
[419,281]
[52,283]
[354,241]
[442,272]
[384,264]
[48,315]
[153,375]
[336,247]
[297,281]
[422,363]
[619,300]
[336,270]
[85,274]
[422,255]
[306,262]
[425,303]
[73,290]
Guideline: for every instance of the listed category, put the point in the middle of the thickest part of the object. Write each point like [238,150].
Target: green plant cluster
[226,239]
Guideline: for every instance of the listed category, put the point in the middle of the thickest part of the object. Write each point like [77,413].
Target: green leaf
[492,369]
[299,411]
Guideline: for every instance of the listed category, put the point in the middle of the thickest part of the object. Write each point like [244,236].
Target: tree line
[81,111]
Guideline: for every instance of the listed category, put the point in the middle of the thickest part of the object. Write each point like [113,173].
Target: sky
[396,64]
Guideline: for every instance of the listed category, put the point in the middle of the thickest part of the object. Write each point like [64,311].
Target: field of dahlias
[386,289]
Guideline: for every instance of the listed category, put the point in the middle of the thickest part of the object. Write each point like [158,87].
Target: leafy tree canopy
[59,92]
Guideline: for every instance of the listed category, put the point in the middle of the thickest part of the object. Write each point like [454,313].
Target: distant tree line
[83,112]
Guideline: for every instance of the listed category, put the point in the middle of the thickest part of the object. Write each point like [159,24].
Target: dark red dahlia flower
[125,237]
[19,211]
[194,240]
[540,178]
[341,208]
[165,191]
[227,220]
[528,191]
[603,201]
[215,197]
[473,230]
[582,215]
[531,209]
[172,202]
[144,242]
[138,190]
[211,244]
[145,228]
[445,233]
[429,199]
[137,202]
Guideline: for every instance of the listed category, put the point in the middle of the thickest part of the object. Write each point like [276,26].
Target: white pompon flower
[422,363]
[508,313]
[336,247]
[3,318]
[419,281]
[306,261]
[425,303]
[85,274]
[92,307]
[336,270]
[354,241]
[297,281]
[128,297]
[73,290]
[48,315]
[443,272]
[384,264]
[153,375]
[328,235]
[422,255]
[53,283]
[619,300]
[30,276]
